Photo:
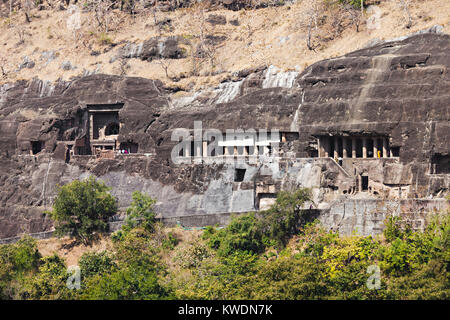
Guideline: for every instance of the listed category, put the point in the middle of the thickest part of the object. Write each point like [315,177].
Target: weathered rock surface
[399,89]
[153,48]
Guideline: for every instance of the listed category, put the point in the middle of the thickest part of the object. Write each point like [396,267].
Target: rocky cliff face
[399,90]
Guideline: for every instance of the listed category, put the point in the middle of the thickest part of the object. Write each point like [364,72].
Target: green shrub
[17,261]
[289,278]
[274,227]
[394,229]
[25,255]
[128,283]
[93,263]
[170,241]
[354,3]
[104,39]
[49,283]
[242,234]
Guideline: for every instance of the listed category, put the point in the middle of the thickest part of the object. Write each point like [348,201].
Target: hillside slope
[60,44]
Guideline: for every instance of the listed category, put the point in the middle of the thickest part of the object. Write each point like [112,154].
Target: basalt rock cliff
[397,92]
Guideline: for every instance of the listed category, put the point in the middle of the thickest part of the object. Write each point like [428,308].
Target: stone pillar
[336,148]
[344,147]
[375,149]
[319,147]
[187,151]
[198,149]
[364,147]
[205,148]
[255,150]
[91,126]
[385,153]
[235,150]
[225,151]
[353,147]
[321,142]
[326,144]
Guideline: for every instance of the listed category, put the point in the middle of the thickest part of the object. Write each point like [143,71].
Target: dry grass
[71,254]
[264,37]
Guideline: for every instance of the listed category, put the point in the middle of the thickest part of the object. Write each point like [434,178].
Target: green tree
[140,212]
[285,217]
[83,207]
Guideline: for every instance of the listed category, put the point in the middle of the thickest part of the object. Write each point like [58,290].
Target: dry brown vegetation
[294,35]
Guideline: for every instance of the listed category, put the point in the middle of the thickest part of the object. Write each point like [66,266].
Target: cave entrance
[395,151]
[440,164]
[112,129]
[359,146]
[370,148]
[364,183]
[132,147]
[239,175]
[313,153]
[36,146]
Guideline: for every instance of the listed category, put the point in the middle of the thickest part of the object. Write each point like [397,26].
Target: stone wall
[368,216]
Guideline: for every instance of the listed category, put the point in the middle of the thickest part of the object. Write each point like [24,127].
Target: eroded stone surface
[398,90]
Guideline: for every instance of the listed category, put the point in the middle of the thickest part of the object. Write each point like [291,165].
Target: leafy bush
[394,229]
[253,233]
[242,234]
[93,263]
[25,254]
[289,278]
[136,248]
[16,261]
[193,256]
[49,283]
[353,3]
[133,274]
[170,241]
[131,282]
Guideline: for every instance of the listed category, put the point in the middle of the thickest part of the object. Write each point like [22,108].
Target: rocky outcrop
[153,48]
